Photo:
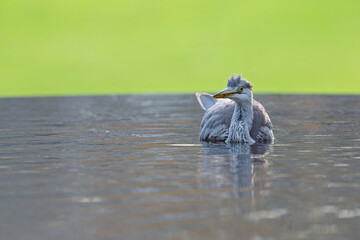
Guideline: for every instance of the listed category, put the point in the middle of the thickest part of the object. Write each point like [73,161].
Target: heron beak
[224,93]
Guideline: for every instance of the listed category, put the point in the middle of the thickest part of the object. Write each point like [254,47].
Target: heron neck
[241,124]
[243,113]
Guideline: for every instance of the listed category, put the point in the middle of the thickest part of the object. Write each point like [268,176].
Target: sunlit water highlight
[132,167]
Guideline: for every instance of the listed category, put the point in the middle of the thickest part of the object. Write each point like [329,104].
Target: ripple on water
[132,167]
[257,216]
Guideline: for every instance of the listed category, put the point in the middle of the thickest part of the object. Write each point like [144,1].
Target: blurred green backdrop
[67,47]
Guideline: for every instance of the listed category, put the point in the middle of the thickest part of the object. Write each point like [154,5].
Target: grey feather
[217,119]
[237,80]
[261,124]
[205,100]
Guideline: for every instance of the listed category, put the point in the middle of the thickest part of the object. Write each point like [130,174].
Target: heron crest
[236,80]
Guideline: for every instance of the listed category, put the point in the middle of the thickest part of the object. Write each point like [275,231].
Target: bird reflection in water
[232,170]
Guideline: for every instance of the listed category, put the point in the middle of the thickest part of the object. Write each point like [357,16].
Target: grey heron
[234,116]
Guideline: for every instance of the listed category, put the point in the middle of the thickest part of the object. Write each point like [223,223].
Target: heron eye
[242,88]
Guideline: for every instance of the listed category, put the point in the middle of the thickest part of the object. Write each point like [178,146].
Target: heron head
[238,89]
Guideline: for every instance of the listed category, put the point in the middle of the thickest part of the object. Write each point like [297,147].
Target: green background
[71,47]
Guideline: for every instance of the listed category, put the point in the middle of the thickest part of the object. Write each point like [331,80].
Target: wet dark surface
[132,167]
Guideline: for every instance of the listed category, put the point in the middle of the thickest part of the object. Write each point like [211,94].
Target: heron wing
[261,130]
[205,100]
[216,121]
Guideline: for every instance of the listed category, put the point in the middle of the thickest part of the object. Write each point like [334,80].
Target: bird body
[233,116]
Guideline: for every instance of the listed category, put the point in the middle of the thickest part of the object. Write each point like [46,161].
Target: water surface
[132,167]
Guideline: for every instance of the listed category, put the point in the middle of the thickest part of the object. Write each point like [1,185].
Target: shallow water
[132,167]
